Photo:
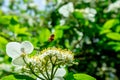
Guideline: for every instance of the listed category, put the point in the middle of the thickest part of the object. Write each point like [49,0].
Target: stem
[55,70]
[52,76]
[32,69]
[46,70]
[42,74]
[53,66]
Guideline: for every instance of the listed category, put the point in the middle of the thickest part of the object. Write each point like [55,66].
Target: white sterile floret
[19,61]
[67,9]
[15,50]
[60,72]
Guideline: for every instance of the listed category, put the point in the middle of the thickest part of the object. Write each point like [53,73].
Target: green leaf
[62,27]
[104,31]
[14,20]
[110,23]
[19,30]
[44,35]
[23,77]
[3,42]
[69,76]
[77,14]
[82,76]
[117,28]
[116,48]
[58,34]
[114,36]
[10,77]
[5,19]
[17,77]
[115,45]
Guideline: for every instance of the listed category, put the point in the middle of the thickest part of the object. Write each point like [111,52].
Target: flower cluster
[58,56]
[114,6]
[89,13]
[65,10]
[49,64]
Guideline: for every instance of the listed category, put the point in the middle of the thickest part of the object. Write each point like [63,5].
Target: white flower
[89,13]
[64,57]
[60,73]
[114,6]
[32,5]
[6,67]
[50,52]
[62,22]
[15,50]
[65,10]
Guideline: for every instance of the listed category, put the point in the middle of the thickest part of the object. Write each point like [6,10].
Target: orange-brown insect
[51,38]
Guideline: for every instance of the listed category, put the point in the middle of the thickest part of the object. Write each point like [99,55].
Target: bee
[51,38]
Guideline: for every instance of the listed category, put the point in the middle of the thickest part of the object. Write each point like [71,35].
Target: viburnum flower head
[57,55]
[17,51]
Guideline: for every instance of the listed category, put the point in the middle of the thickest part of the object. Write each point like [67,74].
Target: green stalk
[52,76]
[46,70]
[42,74]
[32,69]
[53,67]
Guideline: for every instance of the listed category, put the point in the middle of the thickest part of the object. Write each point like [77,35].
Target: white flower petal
[60,72]
[27,46]
[58,78]
[13,49]
[18,61]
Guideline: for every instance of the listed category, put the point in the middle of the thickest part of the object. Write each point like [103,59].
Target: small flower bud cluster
[57,56]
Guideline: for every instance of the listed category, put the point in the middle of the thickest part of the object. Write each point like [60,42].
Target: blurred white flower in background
[17,50]
[6,67]
[89,13]
[67,9]
[114,6]
[41,4]
[32,5]
[62,22]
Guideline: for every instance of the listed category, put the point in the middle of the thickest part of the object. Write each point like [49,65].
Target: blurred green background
[89,28]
